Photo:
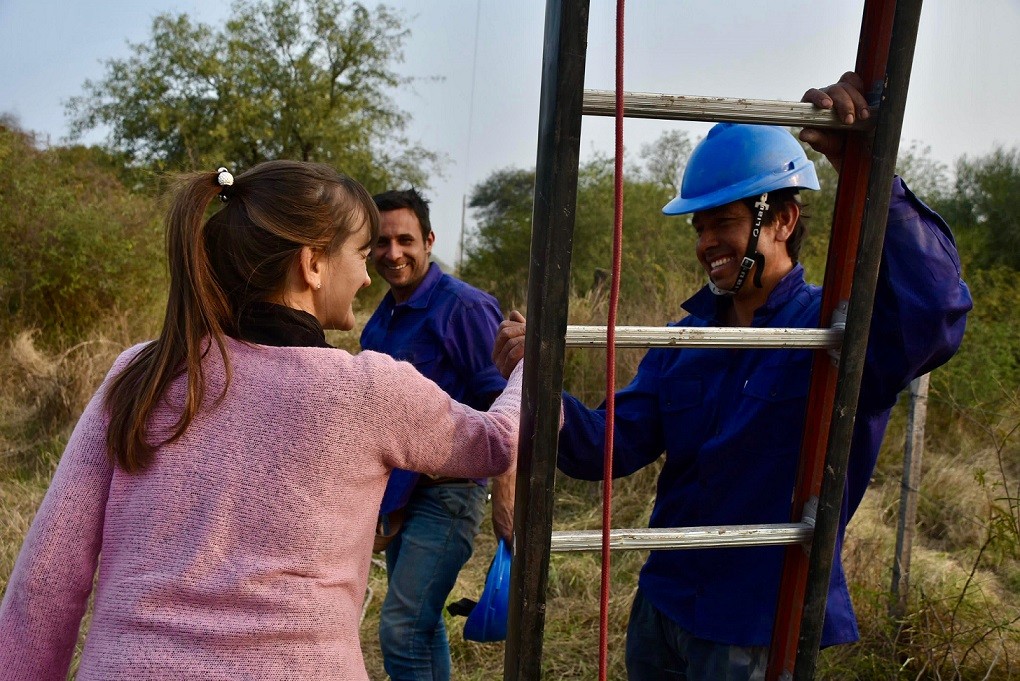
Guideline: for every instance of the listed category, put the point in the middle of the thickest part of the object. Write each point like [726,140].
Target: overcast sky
[480,107]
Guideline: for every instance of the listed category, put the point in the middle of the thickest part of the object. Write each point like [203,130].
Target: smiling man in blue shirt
[730,421]
[446,329]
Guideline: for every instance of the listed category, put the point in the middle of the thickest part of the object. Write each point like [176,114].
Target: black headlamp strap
[760,259]
[751,256]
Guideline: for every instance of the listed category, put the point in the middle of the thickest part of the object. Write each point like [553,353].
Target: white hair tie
[224,179]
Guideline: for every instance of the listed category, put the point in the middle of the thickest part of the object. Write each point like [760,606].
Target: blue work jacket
[446,329]
[731,424]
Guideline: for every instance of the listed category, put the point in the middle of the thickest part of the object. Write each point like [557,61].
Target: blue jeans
[660,650]
[422,563]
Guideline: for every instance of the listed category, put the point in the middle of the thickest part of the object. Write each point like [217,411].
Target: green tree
[496,255]
[666,157]
[299,79]
[927,177]
[983,206]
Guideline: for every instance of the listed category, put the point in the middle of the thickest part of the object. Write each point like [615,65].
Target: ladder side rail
[884,151]
[851,196]
[559,139]
[717,109]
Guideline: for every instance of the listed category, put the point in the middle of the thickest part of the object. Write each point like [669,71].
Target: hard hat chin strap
[719,291]
[751,256]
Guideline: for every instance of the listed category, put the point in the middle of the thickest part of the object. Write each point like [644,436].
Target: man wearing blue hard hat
[731,422]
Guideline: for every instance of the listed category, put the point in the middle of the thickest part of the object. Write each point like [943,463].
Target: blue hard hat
[487,621]
[736,161]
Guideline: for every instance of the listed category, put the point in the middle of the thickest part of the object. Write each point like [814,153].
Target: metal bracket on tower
[838,324]
[810,511]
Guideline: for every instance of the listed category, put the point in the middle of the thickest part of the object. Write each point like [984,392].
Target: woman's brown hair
[220,265]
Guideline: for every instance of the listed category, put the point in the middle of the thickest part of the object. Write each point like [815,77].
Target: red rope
[614,299]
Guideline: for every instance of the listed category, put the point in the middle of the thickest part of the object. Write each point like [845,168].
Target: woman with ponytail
[225,478]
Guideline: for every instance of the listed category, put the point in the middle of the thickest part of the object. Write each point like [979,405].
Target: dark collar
[280,326]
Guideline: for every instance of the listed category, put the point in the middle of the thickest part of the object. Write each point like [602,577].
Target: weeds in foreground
[46,391]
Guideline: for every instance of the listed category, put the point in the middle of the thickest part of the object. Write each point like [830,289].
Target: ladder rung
[729,109]
[704,337]
[684,537]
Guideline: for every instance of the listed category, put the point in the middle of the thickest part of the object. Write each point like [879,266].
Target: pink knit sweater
[243,551]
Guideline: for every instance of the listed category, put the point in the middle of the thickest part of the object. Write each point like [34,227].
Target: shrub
[79,247]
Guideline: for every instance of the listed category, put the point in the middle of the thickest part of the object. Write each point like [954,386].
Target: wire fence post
[913,450]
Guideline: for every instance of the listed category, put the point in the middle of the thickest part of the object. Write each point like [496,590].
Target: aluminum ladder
[885,54]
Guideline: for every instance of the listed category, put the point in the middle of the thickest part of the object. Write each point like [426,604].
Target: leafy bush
[989,359]
[79,247]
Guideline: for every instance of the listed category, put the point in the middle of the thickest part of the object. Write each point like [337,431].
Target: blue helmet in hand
[487,621]
[736,161]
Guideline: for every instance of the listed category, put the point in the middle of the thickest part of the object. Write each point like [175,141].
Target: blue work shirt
[446,329]
[731,423]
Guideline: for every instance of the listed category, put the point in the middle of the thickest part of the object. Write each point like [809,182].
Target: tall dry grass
[45,393]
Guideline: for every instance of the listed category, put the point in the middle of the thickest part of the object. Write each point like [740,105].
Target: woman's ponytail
[196,313]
